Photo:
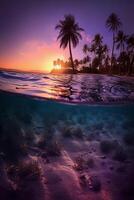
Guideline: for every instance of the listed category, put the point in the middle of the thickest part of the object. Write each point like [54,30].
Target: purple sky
[27,27]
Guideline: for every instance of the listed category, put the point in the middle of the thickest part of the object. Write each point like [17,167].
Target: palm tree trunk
[71,57]
[112,52]
[120,63]
[131,67]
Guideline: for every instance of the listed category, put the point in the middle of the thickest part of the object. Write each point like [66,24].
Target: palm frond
[68,30]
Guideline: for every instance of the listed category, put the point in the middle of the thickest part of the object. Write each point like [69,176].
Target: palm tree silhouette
[97,48]
[69,34]
[113,23]
[97,40]
[105,49]
[85,49]
[130,43]
[130,49]
[121,41]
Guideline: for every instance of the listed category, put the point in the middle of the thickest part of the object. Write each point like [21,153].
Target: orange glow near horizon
[37,55]
[33,56]
[57,67]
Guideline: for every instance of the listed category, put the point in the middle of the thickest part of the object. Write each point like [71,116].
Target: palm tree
[96,43]
[54,63]
[69,34]
[113,23]
[76,62]
[85,49]
[130,49]
[97,48]
[97,40]
[121,41]
[130,43]
[58,61]
[105,50]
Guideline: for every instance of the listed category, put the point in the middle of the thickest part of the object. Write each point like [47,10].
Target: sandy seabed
[55,151]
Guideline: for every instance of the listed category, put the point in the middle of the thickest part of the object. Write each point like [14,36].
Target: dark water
[71,88]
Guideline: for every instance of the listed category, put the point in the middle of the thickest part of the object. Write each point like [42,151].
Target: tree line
[98,57]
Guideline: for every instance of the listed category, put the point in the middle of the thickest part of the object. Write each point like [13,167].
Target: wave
[81,88]
[20,76]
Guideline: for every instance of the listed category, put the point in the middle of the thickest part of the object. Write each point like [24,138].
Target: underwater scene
[64,151]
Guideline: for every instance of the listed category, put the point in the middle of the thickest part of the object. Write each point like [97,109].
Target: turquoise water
[47,113]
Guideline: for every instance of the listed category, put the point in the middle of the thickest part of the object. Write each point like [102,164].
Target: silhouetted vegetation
[99,58]
[69,34]
[113,23]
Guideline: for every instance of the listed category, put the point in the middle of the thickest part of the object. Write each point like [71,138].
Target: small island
[63,71]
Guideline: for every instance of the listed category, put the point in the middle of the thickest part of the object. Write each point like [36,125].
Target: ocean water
[36,118]
[80,88]
[54,121]
[84,101]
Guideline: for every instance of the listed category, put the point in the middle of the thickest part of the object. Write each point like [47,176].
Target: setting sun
[57,67]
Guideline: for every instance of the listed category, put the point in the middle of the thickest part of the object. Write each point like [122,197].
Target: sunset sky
[27,28]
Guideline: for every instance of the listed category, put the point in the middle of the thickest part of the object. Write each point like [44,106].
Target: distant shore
[86,71]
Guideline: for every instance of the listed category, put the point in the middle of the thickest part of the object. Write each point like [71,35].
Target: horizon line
[21,70]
